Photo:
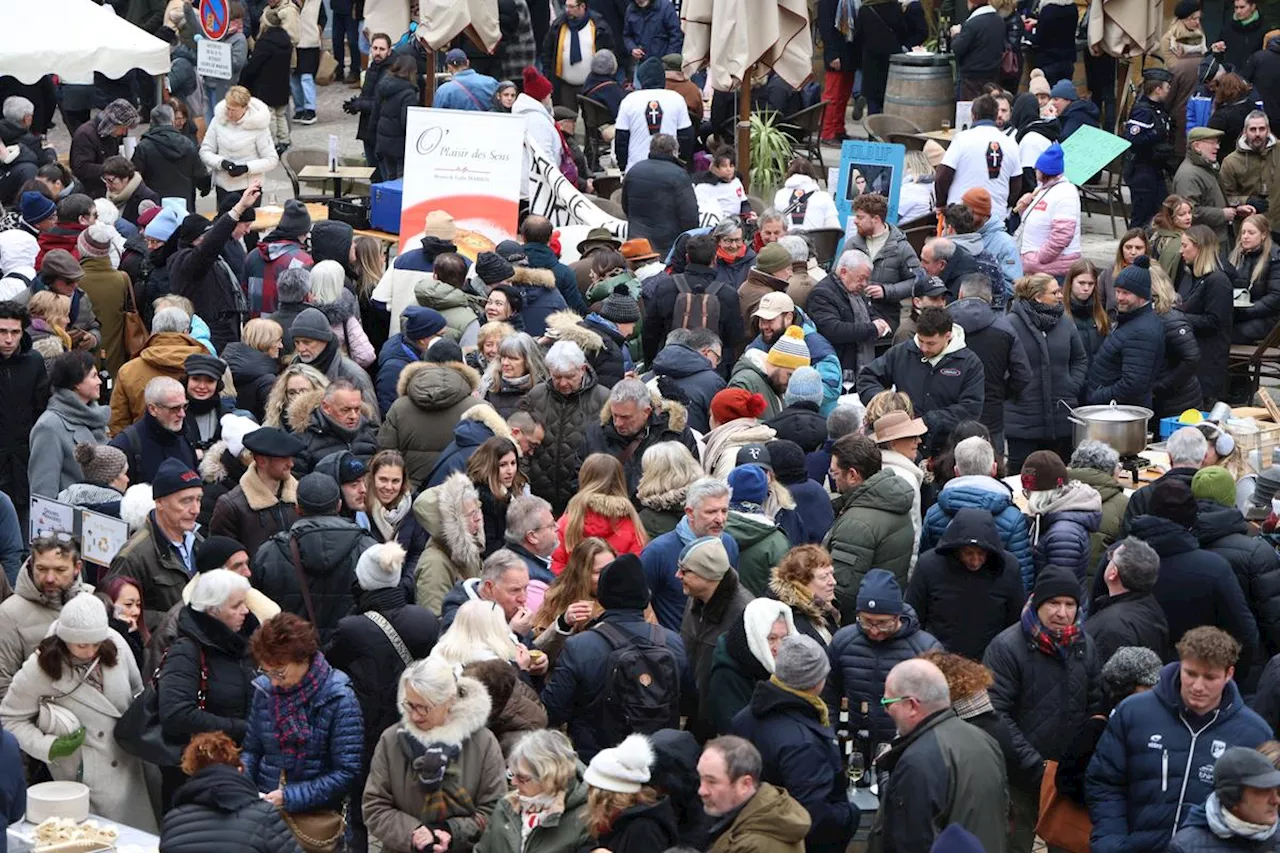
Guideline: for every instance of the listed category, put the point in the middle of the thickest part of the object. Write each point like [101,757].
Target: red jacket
[616,528]
[63,236]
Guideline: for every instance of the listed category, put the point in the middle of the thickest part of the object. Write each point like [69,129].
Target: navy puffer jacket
[859,666]
[1130,358]
[1044,699]
[981,493]
[1059,363]
[1064,530]
[1155,762]
[1223,531]
[321,777]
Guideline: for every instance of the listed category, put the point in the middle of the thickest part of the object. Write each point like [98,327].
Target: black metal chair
[595,115]
[805,128]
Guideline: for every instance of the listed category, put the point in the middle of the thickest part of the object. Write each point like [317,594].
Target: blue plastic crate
[384,205]
[1170,425]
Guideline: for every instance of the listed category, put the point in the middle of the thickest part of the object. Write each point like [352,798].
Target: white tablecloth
[131,840]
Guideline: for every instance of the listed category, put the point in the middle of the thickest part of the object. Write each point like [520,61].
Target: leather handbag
[135,330]
[138,731]
[318,831]
[1063,822]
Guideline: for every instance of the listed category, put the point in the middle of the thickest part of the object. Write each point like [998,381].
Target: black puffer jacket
[390,113]
[1128,619]
[1254,321]
[1045,699]
[170,164]
[1126,365]
[965,610]
[254,374]
[219,809]
[1058,364]
[1223,531]
[1006,370]
[360,649]
[658,199]
[553,471]
[329,548]
[1177,388]
[1206,303]
[801,423]
[205,645]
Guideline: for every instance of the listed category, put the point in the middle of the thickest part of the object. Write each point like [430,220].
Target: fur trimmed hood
[670,500]
[488,415]
[531,277]
[423,381]
[565,326]
[212,468]
[799,598]
[439,511]
[468,714]
[609,506]
[308,403]
[677,415]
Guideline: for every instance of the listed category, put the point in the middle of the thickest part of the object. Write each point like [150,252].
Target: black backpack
[696,310]
[641,684]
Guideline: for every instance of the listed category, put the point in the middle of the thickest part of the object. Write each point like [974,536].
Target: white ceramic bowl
[57,799]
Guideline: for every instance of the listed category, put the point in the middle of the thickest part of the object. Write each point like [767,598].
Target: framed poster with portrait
[869,167]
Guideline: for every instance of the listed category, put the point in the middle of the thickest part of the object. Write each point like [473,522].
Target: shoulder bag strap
[392,635]
[202,692]
[302,579]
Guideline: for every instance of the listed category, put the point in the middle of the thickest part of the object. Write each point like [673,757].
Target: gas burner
[1134,464]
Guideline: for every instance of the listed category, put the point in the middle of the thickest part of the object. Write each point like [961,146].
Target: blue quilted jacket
[320,779]
[1155,762]
[982,493]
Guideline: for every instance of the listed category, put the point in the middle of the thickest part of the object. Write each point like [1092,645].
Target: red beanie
[733,403]
[535,85]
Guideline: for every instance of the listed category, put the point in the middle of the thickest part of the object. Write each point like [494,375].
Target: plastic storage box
[384,206]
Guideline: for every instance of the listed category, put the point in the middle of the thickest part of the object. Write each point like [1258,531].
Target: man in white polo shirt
[984,157]
[648,111]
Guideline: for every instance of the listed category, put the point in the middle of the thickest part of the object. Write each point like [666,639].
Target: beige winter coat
[309,32]
[117,781]
[453,554]
[25,618]
[393,796]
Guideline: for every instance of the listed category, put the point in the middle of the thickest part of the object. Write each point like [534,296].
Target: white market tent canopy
[73,39]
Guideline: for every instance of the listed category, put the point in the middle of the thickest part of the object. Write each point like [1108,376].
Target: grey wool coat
[66,422]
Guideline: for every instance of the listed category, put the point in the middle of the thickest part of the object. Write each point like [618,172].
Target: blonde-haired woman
[601,507]
[487,339]
[1170,222]
[339,306]
[237,146]
[667,469]
[1204,295]
[546,810]
[296,379]
[479,631]
[254,362]
[370,265]
[50,316]
[1257,264]
[1177,387]
[438,774]
[1224,451]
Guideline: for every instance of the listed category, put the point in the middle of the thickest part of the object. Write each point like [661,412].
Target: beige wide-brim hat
[896,425]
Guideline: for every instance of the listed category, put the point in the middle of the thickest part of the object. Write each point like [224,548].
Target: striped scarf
[1052,643]
[290,707]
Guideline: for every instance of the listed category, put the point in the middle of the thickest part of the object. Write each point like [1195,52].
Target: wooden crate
[1266,439]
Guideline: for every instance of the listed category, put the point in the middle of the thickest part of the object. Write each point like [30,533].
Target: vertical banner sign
[468,164]
[869,167]
[215,19]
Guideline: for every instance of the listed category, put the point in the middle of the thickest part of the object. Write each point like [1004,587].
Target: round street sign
[214,18]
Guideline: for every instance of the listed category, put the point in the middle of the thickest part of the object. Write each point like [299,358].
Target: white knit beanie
[83,620]
[234,429]
[379,566]
[624,768]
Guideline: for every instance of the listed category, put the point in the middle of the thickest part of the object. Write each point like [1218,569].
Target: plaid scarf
[972,705]
[290,707]
[1052,643]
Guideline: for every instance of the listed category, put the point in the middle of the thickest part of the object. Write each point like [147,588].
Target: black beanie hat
[622,585]
[1053,582]
[1136,278]
[214,552]
[493,268]
[1173,500]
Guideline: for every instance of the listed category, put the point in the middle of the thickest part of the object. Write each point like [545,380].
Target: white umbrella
[729,37]
[73,39]
[442,21]
[1125,28]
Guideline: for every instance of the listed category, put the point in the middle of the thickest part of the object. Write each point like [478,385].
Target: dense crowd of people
[677,545]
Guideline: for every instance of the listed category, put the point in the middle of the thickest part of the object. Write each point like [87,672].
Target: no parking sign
[215,18]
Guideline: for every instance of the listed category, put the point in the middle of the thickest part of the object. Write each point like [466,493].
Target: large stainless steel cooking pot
[1122,427]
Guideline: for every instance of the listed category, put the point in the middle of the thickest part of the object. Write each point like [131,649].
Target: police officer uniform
[1149,130]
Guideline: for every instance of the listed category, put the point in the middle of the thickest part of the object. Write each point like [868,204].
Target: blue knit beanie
[1050,162]
[1064,89]
[1136,278]
[805,385]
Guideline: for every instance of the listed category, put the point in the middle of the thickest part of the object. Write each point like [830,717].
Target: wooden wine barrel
[921,88]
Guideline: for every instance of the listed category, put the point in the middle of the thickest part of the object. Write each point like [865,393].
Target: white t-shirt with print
[984,157]
[647,113]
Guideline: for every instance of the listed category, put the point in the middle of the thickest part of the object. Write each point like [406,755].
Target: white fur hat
[379,566]
[624,768]
[234,429]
